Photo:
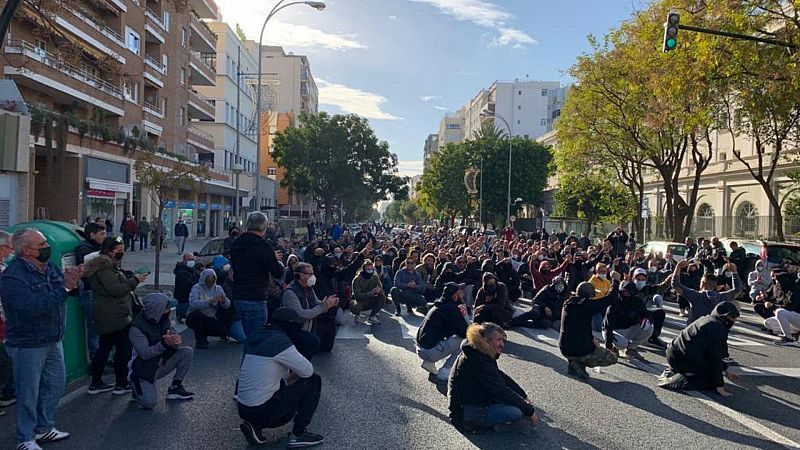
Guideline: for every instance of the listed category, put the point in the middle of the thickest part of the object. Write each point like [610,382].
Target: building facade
[451,128]
[431,147]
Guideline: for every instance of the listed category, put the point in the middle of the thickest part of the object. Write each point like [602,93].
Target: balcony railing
[204,26]
[209,60]
[152,109]
[155,64]
[155,17]
[201,98]
[95,23]
[59,64]
[201,136]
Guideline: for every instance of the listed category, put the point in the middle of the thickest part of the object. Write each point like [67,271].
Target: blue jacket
[34,304]
[403,277]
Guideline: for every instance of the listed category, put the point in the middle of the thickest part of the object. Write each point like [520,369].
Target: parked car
[212,248]
[777,254]
[490,234]
[676,249]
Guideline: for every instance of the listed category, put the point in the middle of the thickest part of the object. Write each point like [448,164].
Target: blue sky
[404,63]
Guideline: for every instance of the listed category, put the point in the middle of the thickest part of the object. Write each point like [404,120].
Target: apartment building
[102,71]
[451,128]
[431,147]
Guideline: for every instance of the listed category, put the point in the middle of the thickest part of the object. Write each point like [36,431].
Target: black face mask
[491,288]
[44,254]
[119,256]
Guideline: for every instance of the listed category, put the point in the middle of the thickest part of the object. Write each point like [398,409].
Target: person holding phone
[300,297]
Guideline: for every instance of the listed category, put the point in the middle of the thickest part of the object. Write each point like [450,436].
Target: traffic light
[671,31]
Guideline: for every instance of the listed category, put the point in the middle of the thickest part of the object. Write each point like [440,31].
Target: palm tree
[490,131]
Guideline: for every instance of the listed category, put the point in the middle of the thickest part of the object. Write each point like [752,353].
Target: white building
[296,91]
[451,128]
[431,147]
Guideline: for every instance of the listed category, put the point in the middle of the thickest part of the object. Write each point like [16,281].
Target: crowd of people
[283,298]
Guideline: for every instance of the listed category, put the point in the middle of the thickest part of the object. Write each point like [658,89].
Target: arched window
[705,220]
[746,220]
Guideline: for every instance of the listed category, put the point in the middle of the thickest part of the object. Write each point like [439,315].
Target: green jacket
[362,286]
[111,290]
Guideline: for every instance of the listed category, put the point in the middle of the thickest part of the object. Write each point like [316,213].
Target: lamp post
[238,168]
[487,113]
[319,6]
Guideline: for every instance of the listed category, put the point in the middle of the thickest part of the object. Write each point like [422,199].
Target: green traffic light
[671,43]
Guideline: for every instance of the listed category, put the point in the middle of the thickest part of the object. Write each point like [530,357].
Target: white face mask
[653,269]
[190,264]
[312,280]
[729,274]
[602,275]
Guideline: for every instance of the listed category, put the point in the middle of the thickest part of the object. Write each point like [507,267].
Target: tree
[240,33]
[393,213]
[338,159]
[441,191]
[594,198]
[164,180]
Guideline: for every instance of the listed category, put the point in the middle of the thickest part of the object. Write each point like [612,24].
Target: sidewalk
[169,256]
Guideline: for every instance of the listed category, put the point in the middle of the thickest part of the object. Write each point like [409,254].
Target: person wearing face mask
[384,274]
[409,289]
[205,300]
[367,294]
[542,273]
[113,314]
[442,330]
[702,301]
[696,355]
[759,280]
[300,296]
[786,305]
[34,294]
[546,307]
[576,341]
[427,273]
[186,275]
[508,276]
[619,242]
[157,352]
[492,303]
[95,235]
[691,279]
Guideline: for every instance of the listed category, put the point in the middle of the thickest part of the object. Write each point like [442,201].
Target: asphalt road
[376,396]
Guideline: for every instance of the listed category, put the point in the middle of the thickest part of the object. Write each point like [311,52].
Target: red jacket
[128,227]
[540,279]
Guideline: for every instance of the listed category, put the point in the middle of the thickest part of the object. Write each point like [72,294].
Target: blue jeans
[39,379]
[236,331]
[497,414]
[92,338]
[253,314]
[6,377]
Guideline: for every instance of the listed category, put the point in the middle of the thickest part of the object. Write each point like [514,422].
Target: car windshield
[677,250]
[777,254]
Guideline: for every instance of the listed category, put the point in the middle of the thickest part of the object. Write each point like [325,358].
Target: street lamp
[238,168]
[486,113]
[319,6]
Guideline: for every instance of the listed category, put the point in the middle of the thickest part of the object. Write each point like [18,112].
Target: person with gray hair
[7,396]
[256,267]
[34,294]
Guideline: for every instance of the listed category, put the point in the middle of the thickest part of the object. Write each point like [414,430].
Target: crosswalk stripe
[770,371]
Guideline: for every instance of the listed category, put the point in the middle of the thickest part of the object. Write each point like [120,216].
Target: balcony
[155,17]
[202,39]
[153,110]
[199,139]
[97,24]
[35,67]
[152,62]
[207,9]
[200,107]
[202,68]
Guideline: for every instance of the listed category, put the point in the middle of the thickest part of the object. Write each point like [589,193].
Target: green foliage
[240,33]
[594,198]
[338,159]
[406,211]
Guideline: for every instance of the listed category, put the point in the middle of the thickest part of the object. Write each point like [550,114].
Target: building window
[272,171]
[544,92]
[132,91]
[746,220]
[133,42]
[166,20]
[184,35]
[519,107]
[520,93]
[543,122]
[705,220]
[182,116]
[183,76]
[165,62]
[41,48]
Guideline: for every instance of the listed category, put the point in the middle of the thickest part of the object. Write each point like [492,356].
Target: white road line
[409,331]
[732,340]
[352,331]
[746,421]
[770,371]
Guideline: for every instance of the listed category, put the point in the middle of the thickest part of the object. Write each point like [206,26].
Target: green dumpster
[63,239]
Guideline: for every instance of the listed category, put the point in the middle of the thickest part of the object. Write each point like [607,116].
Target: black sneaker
[8,400]
[657,342]
[179,393]
[577,370]
[99,388]
[306,440]
[397,309]
[121,390]
[676,381]
[787,342]
[253,436]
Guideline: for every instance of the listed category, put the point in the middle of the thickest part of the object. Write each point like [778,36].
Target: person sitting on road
[626,325]
[759,280]
[546,307]
[481,395]
[300,297]
[205,300]
[786,322]
[157,352]
[427,273]
[652,298]
[409,289]
[367,294]
[440,334]
[542,273]
[277,383]
[576,341]
[696,355]
[492,303]
[704,300]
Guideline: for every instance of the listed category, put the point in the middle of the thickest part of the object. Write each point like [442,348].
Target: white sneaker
[443,374]
[52,436]
[358,319]
[30,445]
[430,366]
[373,321]
[683,313]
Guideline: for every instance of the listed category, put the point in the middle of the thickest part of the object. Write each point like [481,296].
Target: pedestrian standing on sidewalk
[128,230]
[113,314]
[143,228]
[181,234]
[255,266]
[95,235]
[7,395]
[34,294]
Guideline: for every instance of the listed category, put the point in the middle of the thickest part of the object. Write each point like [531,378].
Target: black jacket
[630,310]
[701,346]
[84,248]
[476,380]
[576,337]
[548,297]
[181,229]
[185,278]
[253,261]
[618,244]
[441,322]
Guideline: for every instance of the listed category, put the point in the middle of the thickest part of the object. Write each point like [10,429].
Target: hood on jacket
[478,342]
[487,266]
[725,309]
[154,305]
[97,264]
[205,274]
[489,276]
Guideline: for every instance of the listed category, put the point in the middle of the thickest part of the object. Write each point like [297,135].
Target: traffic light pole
[744,37]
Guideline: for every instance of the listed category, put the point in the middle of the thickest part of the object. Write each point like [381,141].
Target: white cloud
[250,14]
[393,17]
[427,98]
[486,14]
[353,101]
[441,108]
[409,168]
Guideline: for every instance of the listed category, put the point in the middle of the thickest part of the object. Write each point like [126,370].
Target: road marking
[770,371]
[732,340]
[409,331]
[746,421]
[352,330]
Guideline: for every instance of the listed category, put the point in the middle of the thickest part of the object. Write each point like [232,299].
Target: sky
[403,64]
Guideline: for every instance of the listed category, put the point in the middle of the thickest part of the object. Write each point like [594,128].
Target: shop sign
[99,193]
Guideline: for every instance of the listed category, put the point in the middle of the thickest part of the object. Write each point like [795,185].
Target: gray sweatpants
[449,348]
[180,362]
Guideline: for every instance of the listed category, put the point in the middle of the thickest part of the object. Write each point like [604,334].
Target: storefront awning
[106,185]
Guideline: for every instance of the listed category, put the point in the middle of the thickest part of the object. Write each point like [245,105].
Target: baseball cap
[639,271]
[451,288]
